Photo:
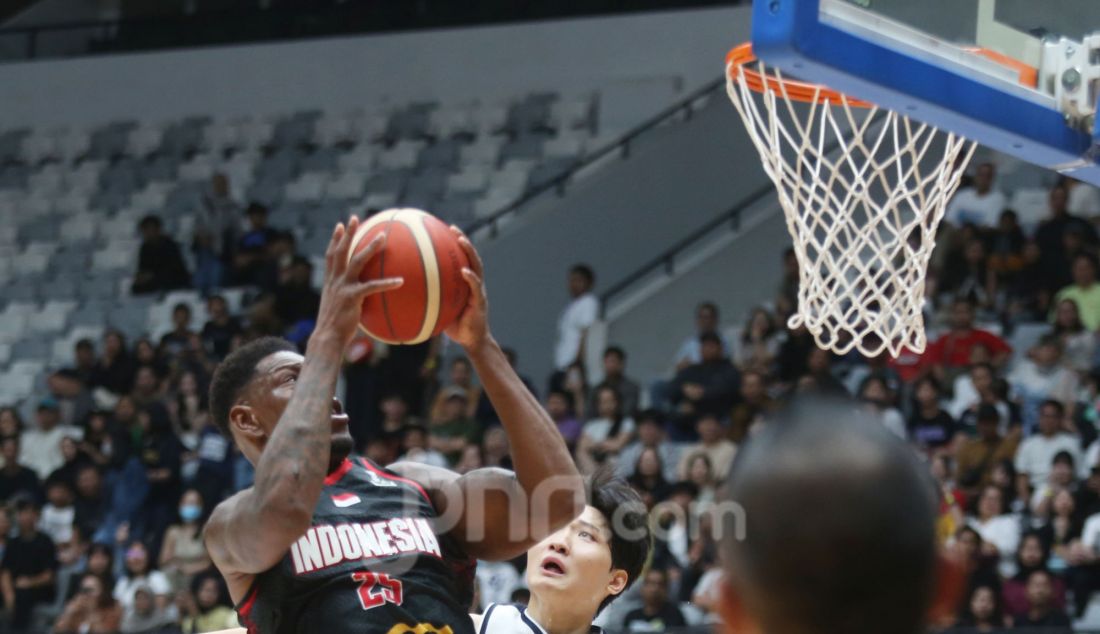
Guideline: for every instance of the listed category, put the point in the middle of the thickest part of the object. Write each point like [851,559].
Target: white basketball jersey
[509,618]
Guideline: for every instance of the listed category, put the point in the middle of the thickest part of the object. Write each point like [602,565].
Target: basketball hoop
[863,190]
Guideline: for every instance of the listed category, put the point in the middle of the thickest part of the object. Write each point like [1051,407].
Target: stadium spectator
[578,316]
[968,552]
[11,423]
[40,446]
[58,514]
[1042,614]
[28,571]
[495,450]
[708,387]
[210,610]
[250,253]
[981,204]
[148,389]
[296,301]
[949,355]
[1027,291]
[1063,476]
[712,441]
[558,406]
[819,378]
[976,388]
[878,402]
[183,555]
[221,330]
[1078,343]
[651,435]
[604,436]
[217,224]
[496,581]
[90,503]
[930,426]
[453,429]
[657,613]
[146,615]
[114,372]
[147,355]
[976,457]
[1036,454]
[753,406]
[395,413]
[706,323]
[72,459]
[614,376]
[72,385]
[160,456]
[648,478]
[1006,246]
[469,460]
[1049,235]
[759,342]
[16,478]
[139,572]
[984,612]
[700,472]
[970,276]
[160,263]
[175,341]
[1000,531]
[1061,530]
[415,445]
[461,378]
[92,611]
[788,287]
[1085,292]
[1042,378]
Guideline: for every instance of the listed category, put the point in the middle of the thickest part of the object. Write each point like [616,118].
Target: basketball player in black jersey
[839,532]
[329,542]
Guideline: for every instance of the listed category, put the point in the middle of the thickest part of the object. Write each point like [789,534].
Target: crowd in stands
[106,488]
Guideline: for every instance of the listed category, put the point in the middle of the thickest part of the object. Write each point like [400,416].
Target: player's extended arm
[498,514]
[291,471]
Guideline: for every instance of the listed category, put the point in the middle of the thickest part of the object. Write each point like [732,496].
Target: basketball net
[863,190]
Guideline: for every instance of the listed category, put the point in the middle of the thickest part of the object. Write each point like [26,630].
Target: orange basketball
[420,248]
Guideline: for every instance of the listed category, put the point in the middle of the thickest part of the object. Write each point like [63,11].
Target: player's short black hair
[626,514]
[584,271]
[835,526]
[236,371]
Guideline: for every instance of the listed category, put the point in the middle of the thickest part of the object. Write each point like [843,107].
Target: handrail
[667,258]
[622,143]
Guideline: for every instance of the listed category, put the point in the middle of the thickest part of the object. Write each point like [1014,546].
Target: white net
[863,190]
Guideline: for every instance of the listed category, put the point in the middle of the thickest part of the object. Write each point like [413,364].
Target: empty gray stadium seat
[321,160]
[31,348]
[442,154]
[524,147]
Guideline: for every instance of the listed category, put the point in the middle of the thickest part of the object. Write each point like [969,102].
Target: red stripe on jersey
[245,611]
[396,478]
[340,472]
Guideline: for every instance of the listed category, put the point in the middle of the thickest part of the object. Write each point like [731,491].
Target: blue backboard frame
[792,35]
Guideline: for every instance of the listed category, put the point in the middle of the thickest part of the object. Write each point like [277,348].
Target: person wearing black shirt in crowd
[657,614]
[1042,613]
[296,300]
[14,477]
[175,342]
[218,333]
[160,455]
[251,252]
[28,570]
[930,426]
[160,261]
[710,386]
[91,501]
[115,369]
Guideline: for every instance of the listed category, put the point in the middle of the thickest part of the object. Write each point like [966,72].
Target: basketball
[423,250]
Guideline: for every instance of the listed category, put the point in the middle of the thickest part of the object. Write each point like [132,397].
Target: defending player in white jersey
[578,571]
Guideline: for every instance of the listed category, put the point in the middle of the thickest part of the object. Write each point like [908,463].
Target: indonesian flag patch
[344,500]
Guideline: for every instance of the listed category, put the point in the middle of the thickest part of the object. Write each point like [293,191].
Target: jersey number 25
[376,589]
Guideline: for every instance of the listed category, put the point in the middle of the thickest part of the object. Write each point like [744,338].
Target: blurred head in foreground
[837,530]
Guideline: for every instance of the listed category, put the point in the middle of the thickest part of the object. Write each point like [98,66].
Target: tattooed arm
[251,531]
[498,514]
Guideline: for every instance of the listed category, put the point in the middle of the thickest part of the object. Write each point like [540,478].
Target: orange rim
[741,56]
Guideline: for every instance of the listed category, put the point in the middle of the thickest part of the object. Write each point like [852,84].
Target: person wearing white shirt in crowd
[573,324]
[980,204]
[1000,532]
[706,320]
[1035,457]
[40,447]
[1043,377]
[415,444]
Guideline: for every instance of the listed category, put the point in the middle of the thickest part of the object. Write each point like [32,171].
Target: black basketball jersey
[373,562]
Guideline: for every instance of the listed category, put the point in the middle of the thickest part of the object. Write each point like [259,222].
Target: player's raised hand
[343,292]
[471,329]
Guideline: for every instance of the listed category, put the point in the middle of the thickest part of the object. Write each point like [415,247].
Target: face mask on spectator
[190,512]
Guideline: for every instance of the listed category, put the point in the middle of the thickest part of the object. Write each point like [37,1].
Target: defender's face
[573,565]
[267,396]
